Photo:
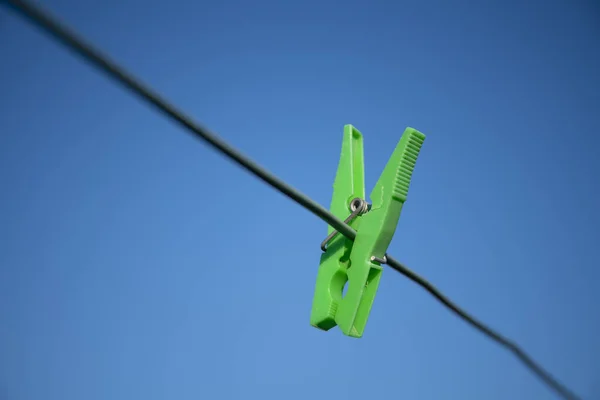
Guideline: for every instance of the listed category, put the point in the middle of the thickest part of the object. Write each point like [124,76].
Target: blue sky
[136,263]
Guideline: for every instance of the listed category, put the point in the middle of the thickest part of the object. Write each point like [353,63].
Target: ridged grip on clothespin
[349,184]
[377,228]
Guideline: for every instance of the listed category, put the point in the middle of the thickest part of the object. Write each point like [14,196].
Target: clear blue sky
[135,263]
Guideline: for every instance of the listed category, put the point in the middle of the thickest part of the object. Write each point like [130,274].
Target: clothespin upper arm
[391,190]
[349,180]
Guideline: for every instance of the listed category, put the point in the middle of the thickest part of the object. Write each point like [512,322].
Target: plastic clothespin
[358,264]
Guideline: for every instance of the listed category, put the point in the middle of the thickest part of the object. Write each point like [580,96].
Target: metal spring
[358,207]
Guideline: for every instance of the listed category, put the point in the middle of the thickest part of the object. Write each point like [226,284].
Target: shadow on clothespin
[358,264]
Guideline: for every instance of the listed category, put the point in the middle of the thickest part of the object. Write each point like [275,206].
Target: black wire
[510,345]
[43,21]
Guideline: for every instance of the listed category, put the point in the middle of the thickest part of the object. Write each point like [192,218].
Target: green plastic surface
[349,183]
[351,262]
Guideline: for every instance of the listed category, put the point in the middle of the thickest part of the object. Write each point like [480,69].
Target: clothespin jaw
[359,264]
[377,228]
[349,184]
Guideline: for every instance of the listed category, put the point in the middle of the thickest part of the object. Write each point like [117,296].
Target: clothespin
[358,264]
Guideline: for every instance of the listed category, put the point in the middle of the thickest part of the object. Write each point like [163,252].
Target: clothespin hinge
[358,207]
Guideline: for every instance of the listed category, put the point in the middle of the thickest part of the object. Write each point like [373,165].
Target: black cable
[49,25]
[513,347]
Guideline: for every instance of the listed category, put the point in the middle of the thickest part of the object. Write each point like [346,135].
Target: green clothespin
[359,264]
